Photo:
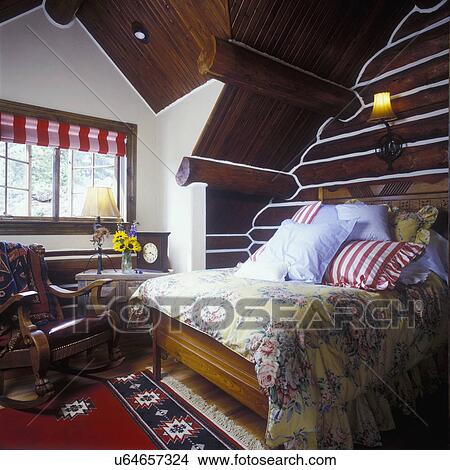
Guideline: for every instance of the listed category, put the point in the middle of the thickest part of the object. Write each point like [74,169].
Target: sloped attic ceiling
[331,38]
[11,8]
[165,68]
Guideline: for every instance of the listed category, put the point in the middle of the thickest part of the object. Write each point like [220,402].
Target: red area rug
[130,412]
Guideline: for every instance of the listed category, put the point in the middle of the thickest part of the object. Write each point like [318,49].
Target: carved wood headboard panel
[407,195]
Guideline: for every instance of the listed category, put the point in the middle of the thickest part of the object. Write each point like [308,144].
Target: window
[49,157]
[80,170]
[38,181]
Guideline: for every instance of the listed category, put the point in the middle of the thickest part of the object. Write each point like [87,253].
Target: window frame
[28,225]
[5,187]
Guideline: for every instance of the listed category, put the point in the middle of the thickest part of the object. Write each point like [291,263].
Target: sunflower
[132,244]
[119,246]
[120,236]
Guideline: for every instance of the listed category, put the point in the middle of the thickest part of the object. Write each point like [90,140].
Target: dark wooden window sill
[50,227]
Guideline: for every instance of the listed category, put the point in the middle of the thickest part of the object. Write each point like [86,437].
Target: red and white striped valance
[33,131]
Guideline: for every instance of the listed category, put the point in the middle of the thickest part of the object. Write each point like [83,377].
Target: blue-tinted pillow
[434,259]
[372,221]
[327,215]
[307,249]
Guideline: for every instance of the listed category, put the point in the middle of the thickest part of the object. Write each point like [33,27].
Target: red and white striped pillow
[305,215]
[371,265]
[254,256]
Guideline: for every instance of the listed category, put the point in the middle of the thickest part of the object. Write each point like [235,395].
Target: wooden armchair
[55,343]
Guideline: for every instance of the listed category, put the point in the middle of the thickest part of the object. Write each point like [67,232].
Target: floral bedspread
[330,359]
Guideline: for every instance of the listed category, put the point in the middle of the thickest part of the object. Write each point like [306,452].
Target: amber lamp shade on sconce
[390,146]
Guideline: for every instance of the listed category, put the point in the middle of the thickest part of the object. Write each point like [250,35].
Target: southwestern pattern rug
[131,412]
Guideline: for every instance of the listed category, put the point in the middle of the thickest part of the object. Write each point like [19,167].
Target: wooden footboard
[206,356]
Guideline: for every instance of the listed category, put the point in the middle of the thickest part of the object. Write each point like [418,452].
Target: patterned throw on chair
[21,270]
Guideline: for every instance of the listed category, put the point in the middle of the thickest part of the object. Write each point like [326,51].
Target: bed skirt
[361,421]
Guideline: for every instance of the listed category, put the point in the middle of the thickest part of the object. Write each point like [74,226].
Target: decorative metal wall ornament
[390,147]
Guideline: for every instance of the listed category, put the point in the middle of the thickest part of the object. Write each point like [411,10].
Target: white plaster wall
[65,69]
[178,128]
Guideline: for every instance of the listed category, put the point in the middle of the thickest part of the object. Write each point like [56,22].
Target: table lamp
[99,202]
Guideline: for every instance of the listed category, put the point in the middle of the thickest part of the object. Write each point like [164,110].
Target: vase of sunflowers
[126,243]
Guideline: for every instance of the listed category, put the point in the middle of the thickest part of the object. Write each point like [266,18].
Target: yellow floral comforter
[330,359]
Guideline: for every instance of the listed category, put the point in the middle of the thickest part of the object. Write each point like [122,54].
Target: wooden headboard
[403,193]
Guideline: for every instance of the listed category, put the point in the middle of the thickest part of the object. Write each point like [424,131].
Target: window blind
[34,131]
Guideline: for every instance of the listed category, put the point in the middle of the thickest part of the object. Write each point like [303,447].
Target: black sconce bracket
[390,147]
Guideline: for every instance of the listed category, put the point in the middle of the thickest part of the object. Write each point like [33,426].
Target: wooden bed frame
[228,370]
[233,373]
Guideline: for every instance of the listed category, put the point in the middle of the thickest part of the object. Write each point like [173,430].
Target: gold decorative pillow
[353,201]
[414,226]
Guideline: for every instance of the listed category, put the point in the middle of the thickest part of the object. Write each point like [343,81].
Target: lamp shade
[382,109]
[99,202]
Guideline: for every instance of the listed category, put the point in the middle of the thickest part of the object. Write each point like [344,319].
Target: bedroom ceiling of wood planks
[331,38]
[165,68]
[11,8]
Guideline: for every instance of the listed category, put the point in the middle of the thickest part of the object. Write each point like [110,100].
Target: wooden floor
[410,432]
[137,348]
[138,352]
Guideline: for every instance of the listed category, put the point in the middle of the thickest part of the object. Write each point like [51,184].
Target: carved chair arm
[95,287]
[20,297]
[23,312]
[32,335]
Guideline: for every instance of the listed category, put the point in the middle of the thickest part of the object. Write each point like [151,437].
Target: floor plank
[410,433]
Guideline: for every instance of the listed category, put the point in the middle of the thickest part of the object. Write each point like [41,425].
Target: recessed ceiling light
[140,32]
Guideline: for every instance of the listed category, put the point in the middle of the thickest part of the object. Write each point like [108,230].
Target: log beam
[433,156]
[237,65]
[230,177]
[62,12]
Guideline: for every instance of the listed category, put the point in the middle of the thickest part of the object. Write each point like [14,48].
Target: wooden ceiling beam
[62,12]
[237,65]
[238,178]
[204,18]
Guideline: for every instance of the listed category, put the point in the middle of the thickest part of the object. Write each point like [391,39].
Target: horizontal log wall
[414,68]
[229,215]
[415,71]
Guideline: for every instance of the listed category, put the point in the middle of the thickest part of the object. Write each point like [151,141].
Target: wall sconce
[390,146]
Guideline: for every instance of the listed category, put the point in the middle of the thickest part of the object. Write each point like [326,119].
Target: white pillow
[262,270]
[372,221]
[434,259]
[306,249]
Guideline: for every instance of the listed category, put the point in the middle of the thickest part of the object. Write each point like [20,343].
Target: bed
[274,346]
[333,386]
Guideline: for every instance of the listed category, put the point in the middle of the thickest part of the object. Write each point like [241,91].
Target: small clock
[154,253]
[150,252]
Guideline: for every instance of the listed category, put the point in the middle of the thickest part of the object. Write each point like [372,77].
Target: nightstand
[120,290]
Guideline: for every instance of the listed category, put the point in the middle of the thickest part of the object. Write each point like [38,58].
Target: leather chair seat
[61,333]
